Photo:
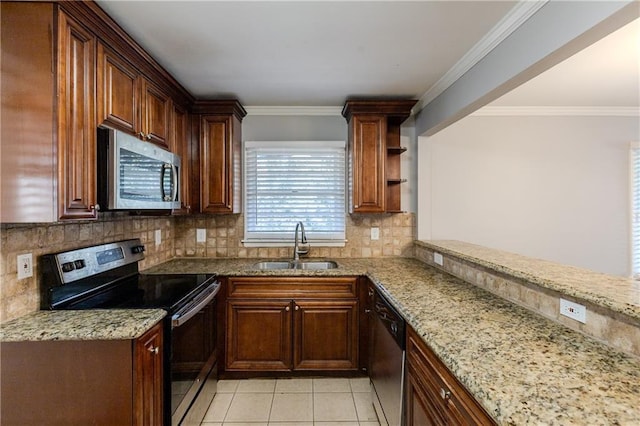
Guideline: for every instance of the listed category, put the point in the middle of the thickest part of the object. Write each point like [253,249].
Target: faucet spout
[300,246]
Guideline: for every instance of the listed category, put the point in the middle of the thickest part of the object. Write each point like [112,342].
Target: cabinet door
[180,145]
[148,378]
[156,109]
[76,120]
[326,335]
[118,92]
[420,408]
[258,335]
[216,164]
[368,151]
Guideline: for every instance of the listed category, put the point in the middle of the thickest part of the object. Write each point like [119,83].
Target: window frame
[634,210]
[286,240]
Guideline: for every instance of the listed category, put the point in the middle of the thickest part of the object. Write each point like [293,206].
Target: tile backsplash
[225,233]
[19,297]
[224,239]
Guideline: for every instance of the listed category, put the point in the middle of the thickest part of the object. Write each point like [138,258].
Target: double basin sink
[296,264]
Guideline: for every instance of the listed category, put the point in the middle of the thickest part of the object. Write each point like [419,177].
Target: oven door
[193,365]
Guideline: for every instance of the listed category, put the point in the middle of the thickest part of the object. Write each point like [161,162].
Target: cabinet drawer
[293,287]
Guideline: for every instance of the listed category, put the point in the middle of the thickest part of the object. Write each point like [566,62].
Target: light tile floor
[292,402]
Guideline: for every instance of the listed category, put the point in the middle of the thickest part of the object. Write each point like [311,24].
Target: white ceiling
[319,53]
[309,53]
[607,73]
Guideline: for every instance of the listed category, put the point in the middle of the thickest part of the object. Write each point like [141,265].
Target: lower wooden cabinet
[148,377]
[433,396]
[82,382]
[292,324]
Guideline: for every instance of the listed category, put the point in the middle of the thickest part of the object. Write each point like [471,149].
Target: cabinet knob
[297,308]
[445,394]
[95,207]
[287,309]
[154,350]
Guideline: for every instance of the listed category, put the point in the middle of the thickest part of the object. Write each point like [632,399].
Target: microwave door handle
[165,166]
[174,179]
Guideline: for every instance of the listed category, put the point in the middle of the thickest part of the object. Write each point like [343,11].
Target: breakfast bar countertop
[522,368]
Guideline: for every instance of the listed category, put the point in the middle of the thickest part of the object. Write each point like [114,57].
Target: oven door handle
[195,306]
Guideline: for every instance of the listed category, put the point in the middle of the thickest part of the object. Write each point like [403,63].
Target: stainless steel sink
[272,265]
[314,265]
[305,265]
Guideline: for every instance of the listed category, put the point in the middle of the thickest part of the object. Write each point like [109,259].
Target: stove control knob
[79,264]
[68,267]
[137,249]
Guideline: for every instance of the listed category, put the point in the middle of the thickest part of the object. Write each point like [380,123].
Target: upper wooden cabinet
[59,82]
[218,126]
[48,115]
[374,148]
[129,101]
[180,144]
[76,120]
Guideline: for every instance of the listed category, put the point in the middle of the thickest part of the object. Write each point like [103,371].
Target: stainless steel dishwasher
[387,346]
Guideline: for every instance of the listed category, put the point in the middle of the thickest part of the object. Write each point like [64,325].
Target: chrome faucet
[300,247]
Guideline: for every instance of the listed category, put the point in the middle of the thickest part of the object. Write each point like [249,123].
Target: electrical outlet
[438,259]
[573,310]
[158,237]
[375,233]
[25,266]
[201,235]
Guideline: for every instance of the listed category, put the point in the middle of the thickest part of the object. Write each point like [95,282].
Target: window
[635,209]
[289,182]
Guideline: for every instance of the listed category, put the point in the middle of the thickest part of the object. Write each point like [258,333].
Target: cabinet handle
[367,311]
[154,350]
[141,134]
[287,309]
[148,136]
[371,292]
[445,394]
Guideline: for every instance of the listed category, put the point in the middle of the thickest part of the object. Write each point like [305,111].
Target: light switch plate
[201,235]
[158,237]
[573,310]
[438,259]
[375,233]
[25,266]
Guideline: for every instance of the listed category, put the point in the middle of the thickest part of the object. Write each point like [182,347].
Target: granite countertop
[523,368]
[98,324]
[618,294]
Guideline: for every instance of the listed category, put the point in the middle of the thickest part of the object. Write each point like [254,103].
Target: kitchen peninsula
[521,367]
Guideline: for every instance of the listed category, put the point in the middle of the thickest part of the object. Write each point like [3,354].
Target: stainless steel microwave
[135,175]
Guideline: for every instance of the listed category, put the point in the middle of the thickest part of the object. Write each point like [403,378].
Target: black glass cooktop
[168,292]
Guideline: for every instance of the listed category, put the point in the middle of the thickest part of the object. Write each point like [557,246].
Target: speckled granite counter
[619,294]
[524,369]
[107,324]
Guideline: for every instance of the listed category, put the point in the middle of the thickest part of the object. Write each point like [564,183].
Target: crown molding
[503,29]
[597,111]
[294,110]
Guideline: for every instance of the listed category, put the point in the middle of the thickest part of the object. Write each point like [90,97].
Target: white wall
[555,188]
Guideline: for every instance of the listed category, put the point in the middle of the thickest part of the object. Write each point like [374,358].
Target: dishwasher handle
[391,320]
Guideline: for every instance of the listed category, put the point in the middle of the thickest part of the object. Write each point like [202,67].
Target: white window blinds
[288,182]
[635,209]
